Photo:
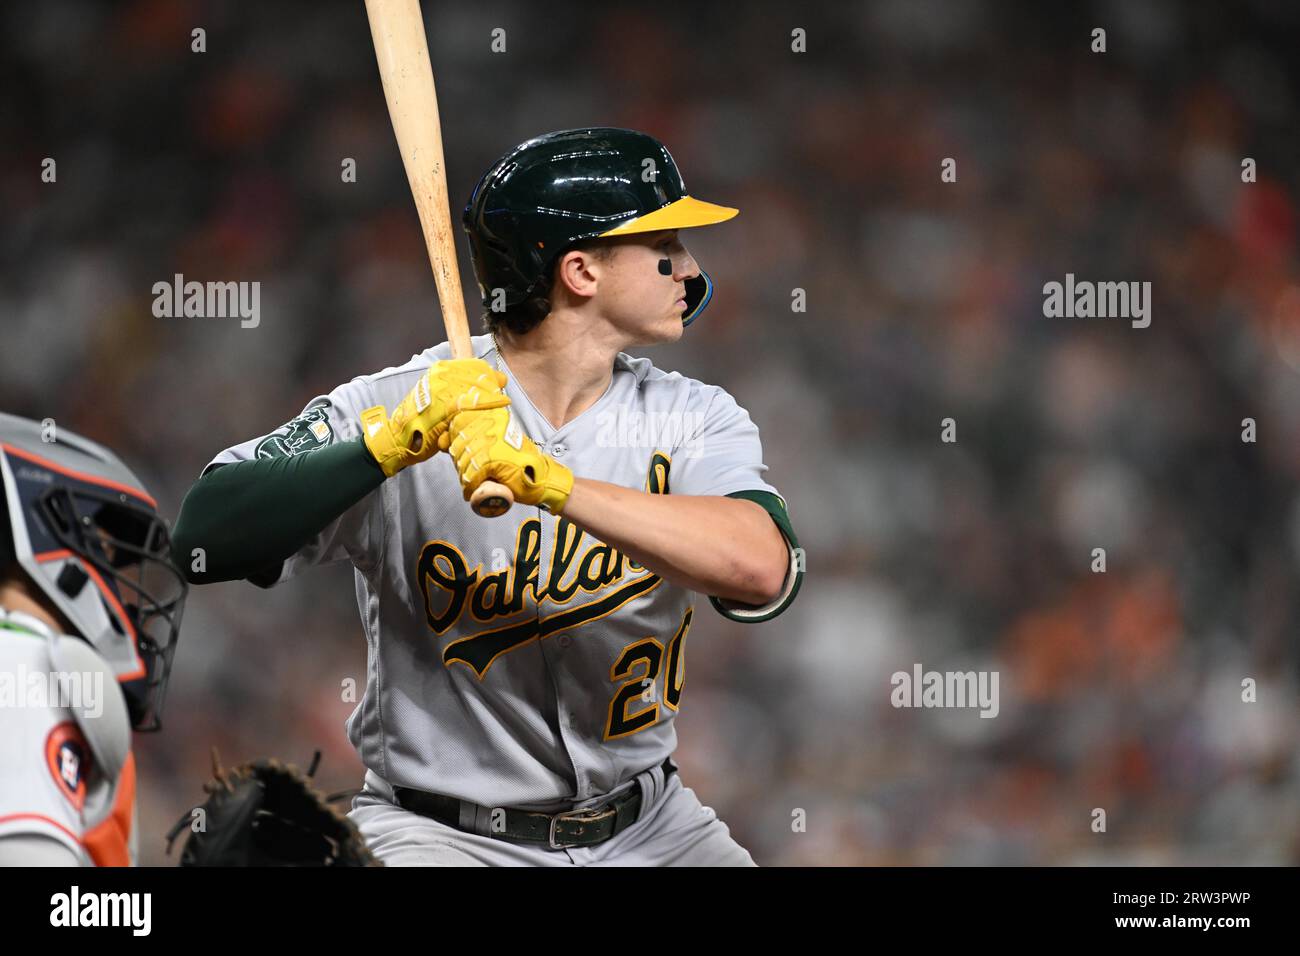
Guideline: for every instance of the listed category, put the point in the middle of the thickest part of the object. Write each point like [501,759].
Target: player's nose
[685,266]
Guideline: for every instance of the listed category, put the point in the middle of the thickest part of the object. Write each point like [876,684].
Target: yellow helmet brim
[685,213]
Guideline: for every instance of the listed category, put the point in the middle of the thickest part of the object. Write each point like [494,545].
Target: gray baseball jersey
[517,661]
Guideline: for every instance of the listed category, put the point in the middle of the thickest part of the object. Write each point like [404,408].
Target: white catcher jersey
[53,782]
[518,661]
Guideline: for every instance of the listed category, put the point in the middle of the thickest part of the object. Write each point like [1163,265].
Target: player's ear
[578,272]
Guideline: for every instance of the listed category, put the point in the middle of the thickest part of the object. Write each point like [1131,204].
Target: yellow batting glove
[490,445]
[418,426]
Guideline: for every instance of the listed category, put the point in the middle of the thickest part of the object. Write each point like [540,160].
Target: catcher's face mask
[100,552]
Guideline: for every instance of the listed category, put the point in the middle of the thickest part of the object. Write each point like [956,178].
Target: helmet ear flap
[699,291]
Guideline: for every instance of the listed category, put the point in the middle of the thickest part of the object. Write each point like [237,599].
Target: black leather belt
[557,831]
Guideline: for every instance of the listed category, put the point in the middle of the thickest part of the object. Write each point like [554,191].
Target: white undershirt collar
[18,621]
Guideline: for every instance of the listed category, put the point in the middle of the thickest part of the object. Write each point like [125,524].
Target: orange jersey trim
[109,843]
[44,819]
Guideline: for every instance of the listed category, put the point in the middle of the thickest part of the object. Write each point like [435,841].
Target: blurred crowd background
[1120,691]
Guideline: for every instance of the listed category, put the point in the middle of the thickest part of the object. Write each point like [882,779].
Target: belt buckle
[591,813]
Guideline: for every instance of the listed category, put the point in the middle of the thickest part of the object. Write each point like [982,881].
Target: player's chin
[667,329]
[672,326]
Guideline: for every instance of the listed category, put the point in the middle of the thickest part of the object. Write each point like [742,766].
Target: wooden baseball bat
[397,27]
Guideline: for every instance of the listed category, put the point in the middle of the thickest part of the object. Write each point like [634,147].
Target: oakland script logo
[451,587]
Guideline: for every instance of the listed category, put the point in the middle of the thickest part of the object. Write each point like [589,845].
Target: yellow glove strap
[556,486]
[379,439]
[419,419]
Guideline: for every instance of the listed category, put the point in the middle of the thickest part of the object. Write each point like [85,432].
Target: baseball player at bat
[524,671]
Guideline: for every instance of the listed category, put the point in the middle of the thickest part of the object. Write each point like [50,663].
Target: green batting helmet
[549,193]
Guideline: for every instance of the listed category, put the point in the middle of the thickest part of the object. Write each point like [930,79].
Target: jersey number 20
[638,668]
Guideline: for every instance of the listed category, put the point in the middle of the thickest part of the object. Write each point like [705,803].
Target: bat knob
[491,500]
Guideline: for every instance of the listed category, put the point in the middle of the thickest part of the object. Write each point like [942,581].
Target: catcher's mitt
[266,813]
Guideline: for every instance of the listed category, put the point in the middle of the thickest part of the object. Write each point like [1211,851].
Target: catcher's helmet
[548,193]
[82,527]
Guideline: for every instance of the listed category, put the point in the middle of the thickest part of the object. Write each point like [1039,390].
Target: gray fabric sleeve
[34,850]
[723,454]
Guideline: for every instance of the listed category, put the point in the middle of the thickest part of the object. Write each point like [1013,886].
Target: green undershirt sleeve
[248,517]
